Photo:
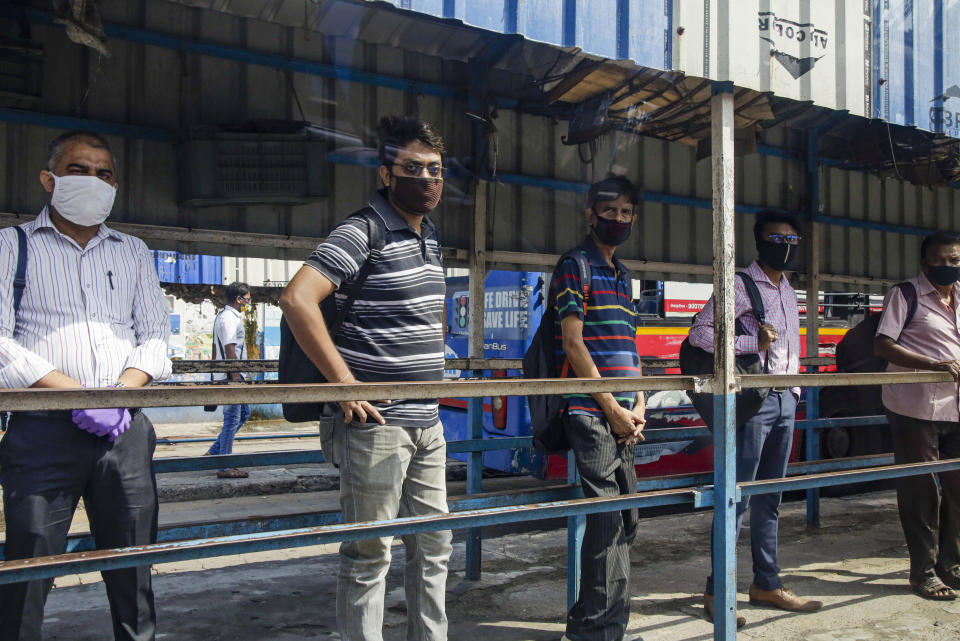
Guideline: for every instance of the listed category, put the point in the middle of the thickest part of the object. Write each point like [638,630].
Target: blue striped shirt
[394,332]
[609,327]
[88,313]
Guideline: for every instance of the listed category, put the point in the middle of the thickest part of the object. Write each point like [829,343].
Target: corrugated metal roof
[548,78]
[177,67]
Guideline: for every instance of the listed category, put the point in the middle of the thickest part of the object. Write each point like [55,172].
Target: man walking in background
[229,344]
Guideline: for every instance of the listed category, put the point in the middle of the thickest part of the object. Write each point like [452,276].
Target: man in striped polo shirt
[597,325]
[392,453]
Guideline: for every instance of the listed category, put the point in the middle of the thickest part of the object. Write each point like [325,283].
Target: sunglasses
[784,239]
[415,169]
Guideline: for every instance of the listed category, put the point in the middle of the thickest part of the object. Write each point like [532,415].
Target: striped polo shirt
[610,325]
[394,332]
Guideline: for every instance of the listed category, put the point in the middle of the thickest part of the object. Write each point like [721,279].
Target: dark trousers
[763,450]
[606,469]
[46,464]
[930,516]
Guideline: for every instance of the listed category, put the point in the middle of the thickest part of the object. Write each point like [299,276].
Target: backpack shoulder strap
[909,292]
[20,278]
[756,301]
[376,233]
[586,274]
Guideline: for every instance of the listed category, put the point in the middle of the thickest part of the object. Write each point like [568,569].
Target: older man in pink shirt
[925,417]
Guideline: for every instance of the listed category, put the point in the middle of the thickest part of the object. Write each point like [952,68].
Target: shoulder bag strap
[216,343]
[909,292]
[20,278]
[756,304]
[375,233]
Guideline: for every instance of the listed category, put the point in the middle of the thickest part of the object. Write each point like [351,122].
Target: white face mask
[83,200]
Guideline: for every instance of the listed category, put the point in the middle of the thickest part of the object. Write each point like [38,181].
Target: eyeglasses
[415,169]
[784,239]
[245,300]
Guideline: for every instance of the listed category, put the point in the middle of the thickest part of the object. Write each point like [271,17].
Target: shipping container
[817,50]
[638,30]
[917,67]
[189,269]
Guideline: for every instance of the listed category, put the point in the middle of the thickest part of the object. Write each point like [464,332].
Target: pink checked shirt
[934,331]
[780,307]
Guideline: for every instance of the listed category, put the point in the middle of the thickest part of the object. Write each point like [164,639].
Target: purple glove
[110,422]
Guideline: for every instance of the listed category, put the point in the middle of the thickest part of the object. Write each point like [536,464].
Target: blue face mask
[943,275]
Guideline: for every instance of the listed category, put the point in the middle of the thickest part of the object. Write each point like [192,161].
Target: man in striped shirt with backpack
[596,326]
[392,454]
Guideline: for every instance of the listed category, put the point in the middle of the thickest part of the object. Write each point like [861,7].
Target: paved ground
[856,562]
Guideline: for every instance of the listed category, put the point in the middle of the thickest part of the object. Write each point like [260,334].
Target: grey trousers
[930,516]
[606,468]
[388,471]
[46,464]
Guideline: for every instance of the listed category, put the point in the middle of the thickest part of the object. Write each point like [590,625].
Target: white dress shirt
[89,312]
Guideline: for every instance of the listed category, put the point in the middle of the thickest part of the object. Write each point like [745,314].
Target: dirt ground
[856,563]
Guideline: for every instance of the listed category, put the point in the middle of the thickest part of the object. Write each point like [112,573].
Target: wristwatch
[119,384]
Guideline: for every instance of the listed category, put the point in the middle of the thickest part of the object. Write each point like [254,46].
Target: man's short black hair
[236,290]
[612,188]
[396,132]
[769,217]
[938,239]
[59,144]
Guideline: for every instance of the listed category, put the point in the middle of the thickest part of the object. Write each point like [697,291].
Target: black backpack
[697,362]
[855,351]
[295,366]
[540,361]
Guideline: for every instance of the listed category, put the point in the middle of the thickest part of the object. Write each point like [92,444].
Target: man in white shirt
[89,313]
[229,343]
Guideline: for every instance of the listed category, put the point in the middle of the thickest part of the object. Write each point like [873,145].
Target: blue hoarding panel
[513,306]
[166,263]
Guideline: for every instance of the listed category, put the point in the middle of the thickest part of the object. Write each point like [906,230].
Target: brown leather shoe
[708,609]
[782,598]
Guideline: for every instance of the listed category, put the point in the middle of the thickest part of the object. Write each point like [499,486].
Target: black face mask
[416,195]
[612,232]
[775,255]
[943,275]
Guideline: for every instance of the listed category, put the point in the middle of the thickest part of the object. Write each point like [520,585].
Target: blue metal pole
[724,517]
[812,454]
[575,528]
[474,486]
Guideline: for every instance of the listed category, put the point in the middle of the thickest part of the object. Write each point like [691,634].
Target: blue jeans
[763,449]
[234,416]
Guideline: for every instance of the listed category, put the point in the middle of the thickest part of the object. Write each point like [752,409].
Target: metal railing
[695,491]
